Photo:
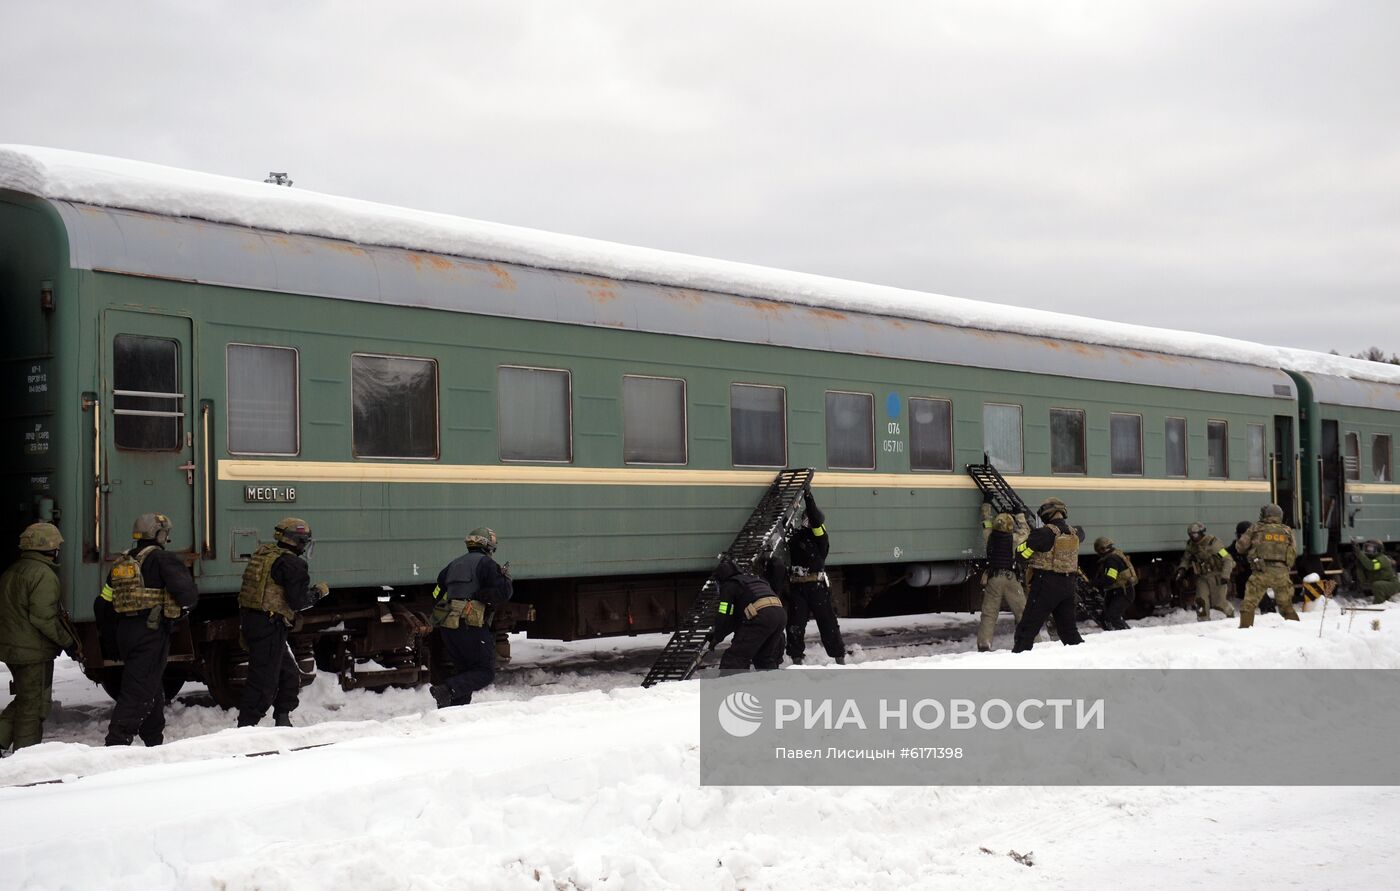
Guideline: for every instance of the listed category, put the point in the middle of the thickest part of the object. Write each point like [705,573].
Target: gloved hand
[505,569]
[321,589]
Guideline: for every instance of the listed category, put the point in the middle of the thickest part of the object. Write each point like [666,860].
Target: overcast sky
[1231,167]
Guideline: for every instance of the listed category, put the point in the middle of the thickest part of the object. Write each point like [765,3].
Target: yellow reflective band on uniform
[1112,573]
[725,608]
[437,591]
[986,524]
[820,530]
[107,593]
[1375,564]
[1026,551]
[1224,553]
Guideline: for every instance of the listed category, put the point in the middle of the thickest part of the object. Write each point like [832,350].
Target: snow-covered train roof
[99,181]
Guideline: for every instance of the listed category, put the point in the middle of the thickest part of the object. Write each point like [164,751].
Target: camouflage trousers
[1384,589]
[1001,587]
[1261,581]
[22,722]
[1210,594]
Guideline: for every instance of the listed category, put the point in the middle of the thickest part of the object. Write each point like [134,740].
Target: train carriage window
[1125,443]
[1067,441]
[1351,456]
[757,425]
[930,434]
[1218,450]
[536,423]
[262,400]
[147,405]
[395,402]
[1380,458]
[1258,452]
[653,420]
[850,430]
[1176,447]
[1001,437]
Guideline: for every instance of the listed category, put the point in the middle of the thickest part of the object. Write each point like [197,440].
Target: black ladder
[1003,498]
[765,529]
[1088,602]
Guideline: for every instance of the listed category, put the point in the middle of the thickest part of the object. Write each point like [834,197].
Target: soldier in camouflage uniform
[1211,563]
[1001,583]
[149,589]
[31,634]
[276,586]
[1375,571]
[1270,549]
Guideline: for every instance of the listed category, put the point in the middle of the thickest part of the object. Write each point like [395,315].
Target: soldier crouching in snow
[749,610]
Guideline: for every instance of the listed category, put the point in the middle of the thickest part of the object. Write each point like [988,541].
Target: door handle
[188,468]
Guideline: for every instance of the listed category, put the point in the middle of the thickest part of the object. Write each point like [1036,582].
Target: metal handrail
[148,394]
[148,414]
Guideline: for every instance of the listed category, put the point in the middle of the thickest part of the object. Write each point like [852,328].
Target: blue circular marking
[892,404]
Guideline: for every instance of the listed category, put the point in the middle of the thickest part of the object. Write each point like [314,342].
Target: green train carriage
[614,432]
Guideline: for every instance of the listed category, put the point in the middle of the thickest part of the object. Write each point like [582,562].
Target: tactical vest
[129,595]
[458,603]
[1272,542]
[1209,555]
[259,591]
[1062,558]
[1125,578]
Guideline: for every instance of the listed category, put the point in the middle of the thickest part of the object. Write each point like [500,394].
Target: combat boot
[282,719]
[840,660]
[1246,618]
[441,695]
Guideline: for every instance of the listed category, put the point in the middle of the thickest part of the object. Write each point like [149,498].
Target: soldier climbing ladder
[764,530]
[1004,499]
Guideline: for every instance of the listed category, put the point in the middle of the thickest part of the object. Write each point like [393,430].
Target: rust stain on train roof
[770,308]
[600,290]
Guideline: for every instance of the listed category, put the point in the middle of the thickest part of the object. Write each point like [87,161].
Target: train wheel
[225,671]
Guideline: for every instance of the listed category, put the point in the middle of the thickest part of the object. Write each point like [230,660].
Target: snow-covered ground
[568,775]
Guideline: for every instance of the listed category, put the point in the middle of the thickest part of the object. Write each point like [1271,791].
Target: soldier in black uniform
[805,590]
[149,588]
[276,586]
[1053,554]
[749,610]
[468,591]
[1116,579]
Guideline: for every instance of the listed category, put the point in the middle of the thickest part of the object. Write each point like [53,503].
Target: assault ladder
[765,528]
[1004,499]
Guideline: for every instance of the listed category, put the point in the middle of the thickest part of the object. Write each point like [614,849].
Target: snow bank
[113,182]
[598,790]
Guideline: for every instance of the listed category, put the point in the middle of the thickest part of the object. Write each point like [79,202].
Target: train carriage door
[1285,470]
[1330,461]
[148,440]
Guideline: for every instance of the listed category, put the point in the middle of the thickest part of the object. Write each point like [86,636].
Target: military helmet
[1103,544]
[293,531]
[1053,509]
[482,537]
[151,527]
[1372,548]
[1196,530]
[1003,523]
[1271,513]
[40,537]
